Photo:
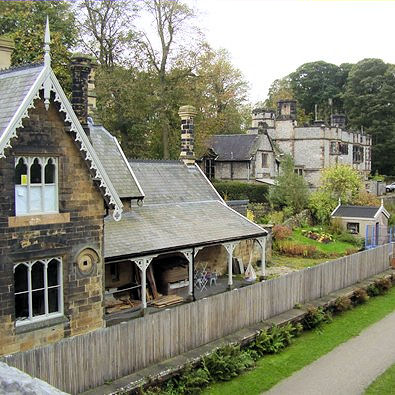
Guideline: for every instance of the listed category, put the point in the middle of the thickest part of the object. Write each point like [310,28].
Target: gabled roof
[115,163]
[27,83]
[14,87]
[367,212]
[234,147]
[181,209]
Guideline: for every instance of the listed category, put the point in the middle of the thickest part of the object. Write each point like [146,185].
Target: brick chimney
[187,155]
[80,71]
[6,48]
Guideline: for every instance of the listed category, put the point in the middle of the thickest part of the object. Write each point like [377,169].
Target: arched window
[38,290]
[36,189]
[35,172]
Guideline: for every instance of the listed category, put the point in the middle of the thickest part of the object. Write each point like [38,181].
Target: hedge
[236,190]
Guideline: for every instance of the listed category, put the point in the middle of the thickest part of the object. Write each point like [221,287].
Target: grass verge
[307,348]
[384,384]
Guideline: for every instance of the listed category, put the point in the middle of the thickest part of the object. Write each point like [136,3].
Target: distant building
[313,147]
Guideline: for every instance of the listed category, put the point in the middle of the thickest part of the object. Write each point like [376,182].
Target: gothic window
[38,290]
[210,168]
[36,189]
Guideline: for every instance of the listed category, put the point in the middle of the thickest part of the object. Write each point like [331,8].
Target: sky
[268,39]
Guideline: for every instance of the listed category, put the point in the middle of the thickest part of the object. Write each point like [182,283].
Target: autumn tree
[169,55]
[106,28]
[24,21]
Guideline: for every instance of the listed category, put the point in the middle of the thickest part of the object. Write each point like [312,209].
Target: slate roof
[171,182]
[14,87]
[164,227]
[114,162]
[356,211]
[234,147]
[181,209]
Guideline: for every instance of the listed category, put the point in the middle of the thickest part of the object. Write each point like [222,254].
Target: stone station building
[76,216]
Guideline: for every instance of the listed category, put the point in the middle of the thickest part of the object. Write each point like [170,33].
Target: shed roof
[234,147]
[14,87]
[357,211]
[116,165]
[164,227]
[181,209]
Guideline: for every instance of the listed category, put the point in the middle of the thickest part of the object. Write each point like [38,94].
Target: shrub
[235,190]
[350,251]
[360,296]
[292,249]
[383,285]
[346,237]
[227,363]
[342,303]
[276,217]
[276,338]
[373,290]
[281,232]
[315,317]
[335,226]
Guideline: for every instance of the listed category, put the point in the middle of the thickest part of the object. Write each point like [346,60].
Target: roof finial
[47,49]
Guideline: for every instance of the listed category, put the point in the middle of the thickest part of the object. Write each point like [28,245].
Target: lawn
[384,384]
[338,247]
[307,348]
[296,262]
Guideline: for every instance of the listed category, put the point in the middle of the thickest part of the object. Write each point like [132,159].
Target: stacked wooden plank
[167,300]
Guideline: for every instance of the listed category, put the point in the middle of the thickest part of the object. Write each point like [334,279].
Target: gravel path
[349,368]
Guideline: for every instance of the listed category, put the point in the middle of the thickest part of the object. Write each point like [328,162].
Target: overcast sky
[268,39]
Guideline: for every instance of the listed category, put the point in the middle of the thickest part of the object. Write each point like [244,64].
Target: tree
[281,89]
[106,28]
[170,60]
[369,100]
[319,83]
[290,190]
[341,182]
[24,21]
[219,91]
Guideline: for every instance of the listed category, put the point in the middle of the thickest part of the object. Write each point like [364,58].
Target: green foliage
[373,290]
[24,21]
[315,317]
[290,190]
[235,190]
[275,339]
[346,237]
[321,205]
[318,83]
[341,181]
[276,217]
[369,102]
[227,363]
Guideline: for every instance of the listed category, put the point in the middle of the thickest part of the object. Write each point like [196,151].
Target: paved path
[349,368]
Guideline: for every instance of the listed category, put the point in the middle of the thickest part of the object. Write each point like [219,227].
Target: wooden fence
[87,361]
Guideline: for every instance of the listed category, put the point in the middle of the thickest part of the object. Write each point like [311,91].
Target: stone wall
[79,225]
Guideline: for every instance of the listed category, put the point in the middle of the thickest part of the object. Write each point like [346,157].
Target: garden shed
[368,222]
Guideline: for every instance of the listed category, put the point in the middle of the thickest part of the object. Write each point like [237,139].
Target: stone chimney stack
[187,155]
[80,71]
[6,48]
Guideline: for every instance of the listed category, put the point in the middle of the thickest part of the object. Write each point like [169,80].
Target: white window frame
[29,291]
[43,161]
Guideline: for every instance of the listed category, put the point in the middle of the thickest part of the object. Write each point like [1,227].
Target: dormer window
[36,189]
